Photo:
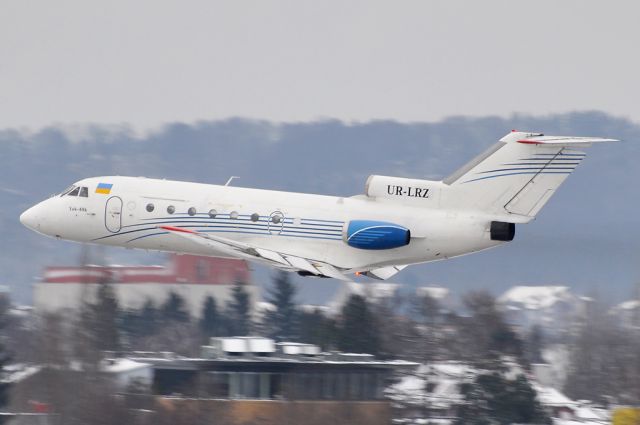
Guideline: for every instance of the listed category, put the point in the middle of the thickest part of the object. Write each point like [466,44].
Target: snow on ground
[122,365]
[444,378]
[438,385]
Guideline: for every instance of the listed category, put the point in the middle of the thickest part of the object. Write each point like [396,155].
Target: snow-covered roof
[436,292]
[551,397]
[21,311]
[628,305]
[535,297]
[18,371]
[586,412]
[264,307]
[372,290]
[312,308]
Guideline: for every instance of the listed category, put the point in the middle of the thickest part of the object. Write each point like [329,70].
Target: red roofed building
[192,277]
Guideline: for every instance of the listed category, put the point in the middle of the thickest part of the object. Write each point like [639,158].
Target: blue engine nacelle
[367,234]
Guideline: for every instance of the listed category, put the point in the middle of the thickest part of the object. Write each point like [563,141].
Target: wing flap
[302,264]
[272,255]
[243,250]
[384,273]
[330,271]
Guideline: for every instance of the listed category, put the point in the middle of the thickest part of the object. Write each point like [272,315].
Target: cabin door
[113,214]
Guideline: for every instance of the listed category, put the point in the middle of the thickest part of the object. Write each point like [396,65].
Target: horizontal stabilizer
[563,141]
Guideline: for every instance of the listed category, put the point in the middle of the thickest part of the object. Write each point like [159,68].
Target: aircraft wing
[254,253]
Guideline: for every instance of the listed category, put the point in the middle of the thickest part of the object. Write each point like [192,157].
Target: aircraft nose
[29,218]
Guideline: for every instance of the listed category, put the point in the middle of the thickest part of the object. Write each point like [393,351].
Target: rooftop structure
[259,368]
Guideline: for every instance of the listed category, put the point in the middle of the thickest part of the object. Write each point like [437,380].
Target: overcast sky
[150,62]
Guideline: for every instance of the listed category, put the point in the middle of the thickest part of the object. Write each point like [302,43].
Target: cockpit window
[76,191]
[67,190]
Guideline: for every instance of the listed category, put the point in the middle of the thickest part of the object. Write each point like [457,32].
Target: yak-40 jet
[395,223]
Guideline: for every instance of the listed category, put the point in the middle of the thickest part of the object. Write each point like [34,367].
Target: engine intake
[501,231]
[367,234]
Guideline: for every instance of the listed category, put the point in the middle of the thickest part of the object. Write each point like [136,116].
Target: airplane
[395,223]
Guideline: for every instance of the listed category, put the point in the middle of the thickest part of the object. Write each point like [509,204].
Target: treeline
[604,358]
[403,328]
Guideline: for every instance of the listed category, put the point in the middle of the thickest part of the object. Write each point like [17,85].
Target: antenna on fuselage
[230,180]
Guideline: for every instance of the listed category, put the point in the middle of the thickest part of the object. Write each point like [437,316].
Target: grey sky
[149,62]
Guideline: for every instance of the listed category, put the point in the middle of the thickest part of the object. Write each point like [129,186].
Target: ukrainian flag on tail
[104,188]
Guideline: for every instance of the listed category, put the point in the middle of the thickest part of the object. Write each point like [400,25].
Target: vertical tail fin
[519,174]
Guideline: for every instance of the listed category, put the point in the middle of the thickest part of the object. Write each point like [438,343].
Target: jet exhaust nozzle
[502,231]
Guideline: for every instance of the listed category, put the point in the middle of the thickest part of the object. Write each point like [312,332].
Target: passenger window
[171,209]
[213,213]
[234,214]
[74,192]
[150,207]
[276,218]
[84,192]
[255,217]
[191,211]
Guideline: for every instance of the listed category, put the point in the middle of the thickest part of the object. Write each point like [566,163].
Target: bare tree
[605,359]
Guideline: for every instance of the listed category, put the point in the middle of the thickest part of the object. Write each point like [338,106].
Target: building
[254,379]
[192,277]
[236,380]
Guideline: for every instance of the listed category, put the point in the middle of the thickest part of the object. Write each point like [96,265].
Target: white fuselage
[396,222]
[310,226]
